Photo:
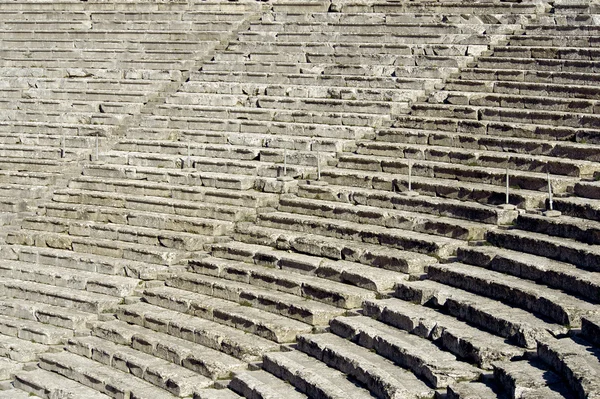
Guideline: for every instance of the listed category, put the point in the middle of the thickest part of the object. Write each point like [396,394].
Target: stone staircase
[299,198]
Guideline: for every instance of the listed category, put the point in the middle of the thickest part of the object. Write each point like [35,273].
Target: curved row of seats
[319,211]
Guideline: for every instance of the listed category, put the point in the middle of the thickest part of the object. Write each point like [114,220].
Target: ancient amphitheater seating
[301,199]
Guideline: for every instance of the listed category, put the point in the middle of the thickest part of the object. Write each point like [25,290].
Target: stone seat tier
[161,373]
[91,84]
[539,64]
[158,24]
[542,270]
[464,341]
[216,278]
[20,350]
[396,237]
[555,151]
[99,377]
[311,377]
[48,315]
[225,151]
[530,379]
[175,240]
[582,255]
[495,111]
[376,373]
[368,267]
[55,129]
[473,390]
[244,139]
[139,46]
[311,80]
[300,284]
[103,95]
[40,152]
[484,193]
[540,89]
[88,262]
[85,56]
[299,125]
[33,331]
[551,41]
[226,339]
[576,361]
[575,30]
[51,141]
[97,73]
[85,301]
[588,189]
[438,368]
[46,384]
[117,286]
[522,75]
[503,128]
[22,191]
[105,247]
[385,199]
[519,326]
[112,111]
[96,34]
[75,6]
[82,118]
[259,383]
[180,207]
[181,352]
[442,167]
[426,71]
[547,52]
[325,112]
[170,183]
[584,208]
[476,8]
[200,15]
[480,157]
[102,63]
[419,222]
[581,230]
[264,324]
[590,329]
[536,298]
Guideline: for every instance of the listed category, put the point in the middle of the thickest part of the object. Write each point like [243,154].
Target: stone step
[182,352]
[529,63]
[15,393]
[584,208]
[24,191]
[85,301]
[119,233]
[581,230]
[527,88]
[46,384]
[28,178]
[530,379]
[99,377]
[37,152]
[210,278]
[302,285]
[590,329]
[587,78]
[157,221]
[100,264]
[459,338]
[582,255]
[311,377]
[575,361]
[34,331]
[210,393]
[588,189]
[522,50]
[472,390]
[542,270]
[260,384]
[379,375]
[559,154]
[398,238]
[68,278]
[335,249]
[270,326]
[370,215]
[142,75]
[42,312]
[443,167]
[20,350]
[519,326]
[105,247]
[490,194]
[520,166]
[163,374]
[443,207]
[167,183]
[505,128]
[180,207]
[226,339]
[577,30]
[419,355]
[536,298]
